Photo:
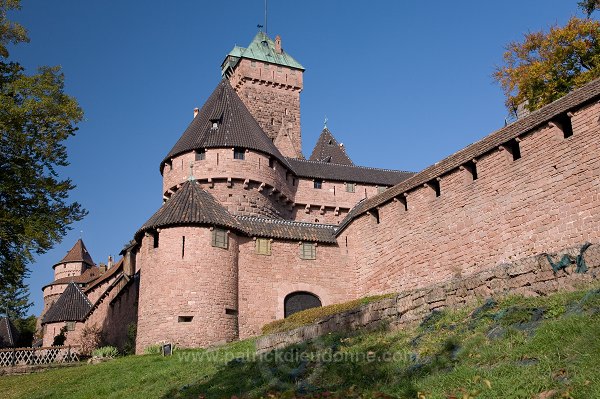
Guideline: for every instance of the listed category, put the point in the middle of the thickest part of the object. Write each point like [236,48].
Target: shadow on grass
[322,368]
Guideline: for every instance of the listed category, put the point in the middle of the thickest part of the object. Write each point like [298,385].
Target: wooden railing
[36,356]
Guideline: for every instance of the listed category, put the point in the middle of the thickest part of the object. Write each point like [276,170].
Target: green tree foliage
[14,300]
[36,117]
[589,6]
[10,32]
[546,66]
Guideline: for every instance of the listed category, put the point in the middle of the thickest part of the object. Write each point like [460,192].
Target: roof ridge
[81,293]
[285,221]
[349,166]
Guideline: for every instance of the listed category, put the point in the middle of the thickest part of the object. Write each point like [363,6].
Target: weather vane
[325,122]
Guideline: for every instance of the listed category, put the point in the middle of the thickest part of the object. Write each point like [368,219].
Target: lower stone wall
[532,276]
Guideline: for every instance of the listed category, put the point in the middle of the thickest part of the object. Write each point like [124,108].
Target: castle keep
[250,231]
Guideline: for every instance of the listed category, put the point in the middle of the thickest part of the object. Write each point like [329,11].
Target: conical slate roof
[8,333]
[328,149]
[78,253]
[72,305]
[190,205]
[235,127]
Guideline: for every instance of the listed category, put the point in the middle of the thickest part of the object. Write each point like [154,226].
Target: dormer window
[215,125]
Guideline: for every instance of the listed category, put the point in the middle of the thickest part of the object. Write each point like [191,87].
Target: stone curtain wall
[265,280]
[546,200]
[531,276]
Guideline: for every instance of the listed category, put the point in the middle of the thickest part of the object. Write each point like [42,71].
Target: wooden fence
[36,356]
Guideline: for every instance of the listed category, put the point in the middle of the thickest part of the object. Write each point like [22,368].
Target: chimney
[196,110]
[102,268]
[278,44]
[109,264]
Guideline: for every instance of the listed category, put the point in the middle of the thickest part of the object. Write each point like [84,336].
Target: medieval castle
[250,231]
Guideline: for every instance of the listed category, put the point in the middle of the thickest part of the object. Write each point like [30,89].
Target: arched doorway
[300,300]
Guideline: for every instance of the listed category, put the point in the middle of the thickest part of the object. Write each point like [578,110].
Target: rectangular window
[185,319]
[435,184]
[155,239]
[70,325]
[318,183]
[220,238]
[239,153]
[308,250]
[263,246]
[350,187]
[514,148]
[200,155]
[272,163]
[471,167]
[564,123]
[381,189]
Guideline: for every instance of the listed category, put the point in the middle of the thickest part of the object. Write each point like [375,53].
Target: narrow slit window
[231,312]
[514,148]
[182,247]
[220,238]
[185,319]
[155,239]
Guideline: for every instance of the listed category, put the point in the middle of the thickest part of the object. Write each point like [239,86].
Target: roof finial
[325,122]
[191,178]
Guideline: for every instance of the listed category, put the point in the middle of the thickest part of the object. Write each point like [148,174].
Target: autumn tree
[36,117]
[546,66]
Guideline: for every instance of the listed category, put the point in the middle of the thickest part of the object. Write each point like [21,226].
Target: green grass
[514,348]
[309,316]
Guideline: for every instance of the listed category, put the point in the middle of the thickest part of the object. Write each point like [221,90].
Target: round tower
[230,156]
[188,258]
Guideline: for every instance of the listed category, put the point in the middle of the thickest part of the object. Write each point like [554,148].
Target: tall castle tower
[269,82]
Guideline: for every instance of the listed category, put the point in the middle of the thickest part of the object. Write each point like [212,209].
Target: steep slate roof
[285,229]
[262,48]
[8,333]
[328,149]
[78,253]
[236,127]
[72,305]
[347,173]
[84,278]
[575,99]
[190,205]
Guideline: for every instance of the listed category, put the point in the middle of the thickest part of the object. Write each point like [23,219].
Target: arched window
[297,301]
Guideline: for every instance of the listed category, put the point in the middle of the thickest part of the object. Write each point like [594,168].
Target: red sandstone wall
[547,200]
[272,94]
[202,284]
[329,204]
[264,281]
[68,269]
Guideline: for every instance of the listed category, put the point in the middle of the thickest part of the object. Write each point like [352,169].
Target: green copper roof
[262,48]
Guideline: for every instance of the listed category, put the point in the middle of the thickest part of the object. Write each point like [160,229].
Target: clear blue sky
[403,83]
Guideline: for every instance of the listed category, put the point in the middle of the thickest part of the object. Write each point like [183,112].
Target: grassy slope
[517,348]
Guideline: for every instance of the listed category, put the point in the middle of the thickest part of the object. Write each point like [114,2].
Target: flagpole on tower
[266,26]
